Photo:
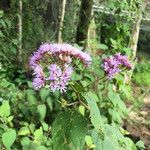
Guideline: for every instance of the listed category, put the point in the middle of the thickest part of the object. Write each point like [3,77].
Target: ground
[139,123]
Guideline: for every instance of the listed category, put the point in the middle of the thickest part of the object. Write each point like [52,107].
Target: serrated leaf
[97,139]
[68,131]
[94,112]
[8,138]
[108,144]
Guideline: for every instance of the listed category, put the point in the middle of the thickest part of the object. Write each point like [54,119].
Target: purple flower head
[44,48]
[59,79]
[58,75]
[38,82]
[112,65]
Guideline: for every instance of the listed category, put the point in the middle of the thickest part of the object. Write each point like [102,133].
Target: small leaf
[45,126]
[103,47]
[32,127]
[82,109]
[25,141]
[5,109]
[88,140]
[8,138]
[41,148]
[140,144]
[24,131]
[42,111]
[31,97]
[10,118]
[44,94]
[38,134]
[50,103]
[76,77]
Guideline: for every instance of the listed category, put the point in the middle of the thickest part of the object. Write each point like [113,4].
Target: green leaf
[68,131]
[32,127]
[50,103]
[41,148]
[89,142]
[103,47]
[108,144]
[97,139]
[5,109]
[10,118]
[94,111]
[44,94]
[140,144]
[25,141]
[1,13]
[113,97]
[82,109]
[75,76]
[42,111]
[15,41]
[93,96]
[38,135]
[31,97]
[8,138]
[24,131]
[45,126]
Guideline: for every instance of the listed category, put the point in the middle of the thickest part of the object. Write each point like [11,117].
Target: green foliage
[94,111]
[8,138]
[141,74]
[90,114]
[69,130]
[7,35]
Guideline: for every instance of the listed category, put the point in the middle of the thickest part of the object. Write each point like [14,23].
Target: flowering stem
[97,81]
[86,106]
[74,103]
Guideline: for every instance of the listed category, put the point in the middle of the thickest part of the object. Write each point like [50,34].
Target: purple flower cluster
[59,74]
[59,78]
[39,77]
[113,65]
[64,51]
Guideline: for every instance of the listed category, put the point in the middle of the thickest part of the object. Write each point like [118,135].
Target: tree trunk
[135,36]
[61,20]
[84,21]
[91,31]
[136,30]
[20,55]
